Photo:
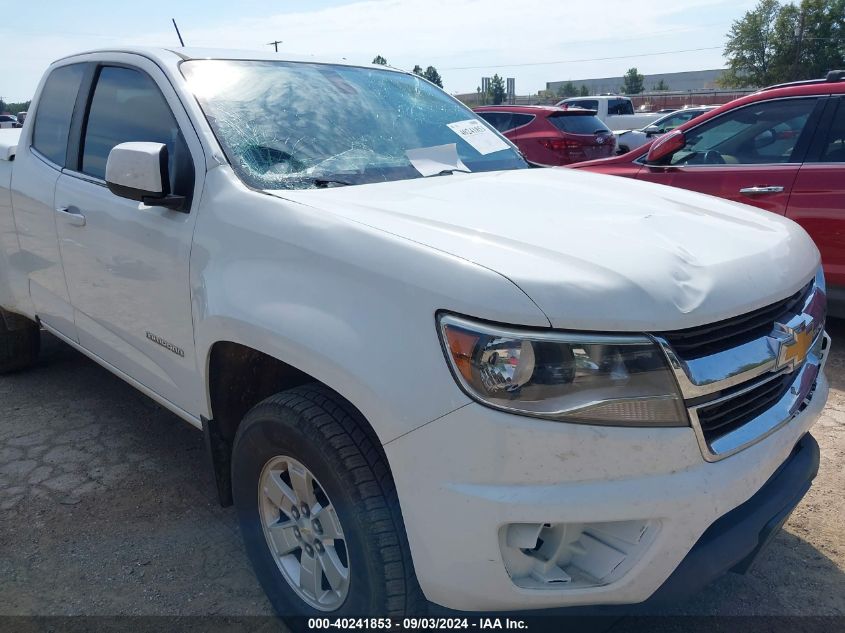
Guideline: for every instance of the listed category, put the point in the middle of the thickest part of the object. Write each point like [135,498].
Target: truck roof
[176,54]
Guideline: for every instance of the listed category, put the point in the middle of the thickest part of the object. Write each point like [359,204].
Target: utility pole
[275,44]
[799,36]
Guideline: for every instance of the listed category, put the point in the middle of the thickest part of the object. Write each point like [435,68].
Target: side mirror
[651,130]
[138,171]
[666,146]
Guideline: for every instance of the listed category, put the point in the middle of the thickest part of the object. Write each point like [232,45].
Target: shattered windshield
[289,125]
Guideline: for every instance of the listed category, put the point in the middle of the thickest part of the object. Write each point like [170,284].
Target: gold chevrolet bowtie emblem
[798,348]
[793,352]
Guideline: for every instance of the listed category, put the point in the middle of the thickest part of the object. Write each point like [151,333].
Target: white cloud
[448,34]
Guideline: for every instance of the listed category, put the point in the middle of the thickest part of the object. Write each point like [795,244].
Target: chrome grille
[745,377]
[705,340]
[719,419]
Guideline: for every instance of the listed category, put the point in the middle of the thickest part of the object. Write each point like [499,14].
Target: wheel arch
[238,376]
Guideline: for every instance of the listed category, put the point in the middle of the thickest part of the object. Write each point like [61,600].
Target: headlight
[588,378]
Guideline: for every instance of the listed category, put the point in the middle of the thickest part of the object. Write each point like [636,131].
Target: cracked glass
[301,125]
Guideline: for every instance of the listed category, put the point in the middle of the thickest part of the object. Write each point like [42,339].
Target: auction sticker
[479,136]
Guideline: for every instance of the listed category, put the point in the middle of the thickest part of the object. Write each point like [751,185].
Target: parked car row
[781,149]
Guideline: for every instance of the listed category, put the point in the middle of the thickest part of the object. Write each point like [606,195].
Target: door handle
[754,191]
[71,215]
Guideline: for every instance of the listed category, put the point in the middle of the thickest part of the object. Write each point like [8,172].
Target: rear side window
[55,109]
[620,106]
[518,120]
[833,147]
[498,120]
[128,106]
[505,121]
[586,104]
[579,124]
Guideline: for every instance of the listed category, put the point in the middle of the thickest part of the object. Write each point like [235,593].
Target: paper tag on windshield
[431,161]
[479,136]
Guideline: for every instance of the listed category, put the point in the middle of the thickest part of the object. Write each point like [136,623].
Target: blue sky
[516,39]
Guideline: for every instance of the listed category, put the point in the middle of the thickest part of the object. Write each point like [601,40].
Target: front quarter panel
[348,304]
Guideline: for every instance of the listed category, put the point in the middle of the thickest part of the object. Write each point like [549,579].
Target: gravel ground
[107,508]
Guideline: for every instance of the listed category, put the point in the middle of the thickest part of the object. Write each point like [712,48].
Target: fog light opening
[572,555]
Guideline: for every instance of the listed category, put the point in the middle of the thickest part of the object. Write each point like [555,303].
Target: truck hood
[594,252]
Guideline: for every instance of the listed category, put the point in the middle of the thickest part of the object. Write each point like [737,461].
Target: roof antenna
[177,32]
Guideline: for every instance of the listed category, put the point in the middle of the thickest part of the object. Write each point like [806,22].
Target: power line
[591,59]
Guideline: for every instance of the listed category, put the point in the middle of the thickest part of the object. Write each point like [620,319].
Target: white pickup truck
[427,374]
[616,112]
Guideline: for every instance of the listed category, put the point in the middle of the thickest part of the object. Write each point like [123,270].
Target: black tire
[20,342]
[324,432]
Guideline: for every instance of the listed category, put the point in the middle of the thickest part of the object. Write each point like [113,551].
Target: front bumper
[463,477]
[735,540]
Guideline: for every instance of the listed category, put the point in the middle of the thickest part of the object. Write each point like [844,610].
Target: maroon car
[781,149]
[548,135]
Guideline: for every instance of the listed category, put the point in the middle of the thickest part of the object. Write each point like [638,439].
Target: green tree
[809,40]
[584,91]
[547,96]
[567,90]
[826,19]
[14,108]
[774,43]
[2,105]
[433,76]
[634,82]
[496,91]
[418,70]
[752,47]
[660,85]
[381,61]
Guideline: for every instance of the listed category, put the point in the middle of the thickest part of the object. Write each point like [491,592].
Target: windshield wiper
[449,172]
[325,182]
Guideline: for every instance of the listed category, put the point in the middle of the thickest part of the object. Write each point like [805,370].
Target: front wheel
[318,509]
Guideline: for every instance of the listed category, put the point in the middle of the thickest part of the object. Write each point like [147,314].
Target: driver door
[126,263]
[751,154]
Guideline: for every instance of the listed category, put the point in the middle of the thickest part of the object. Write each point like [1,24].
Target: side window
[678,119]
[128,106]
[587,104]
[620,106]
[499,120]
[519,119]
[761,133]
[833,148]
[54,112]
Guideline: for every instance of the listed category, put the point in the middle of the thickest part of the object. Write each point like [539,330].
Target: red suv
[547,135]
[781,149]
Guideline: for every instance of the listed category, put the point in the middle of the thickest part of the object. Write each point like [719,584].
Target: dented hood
[594,252]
